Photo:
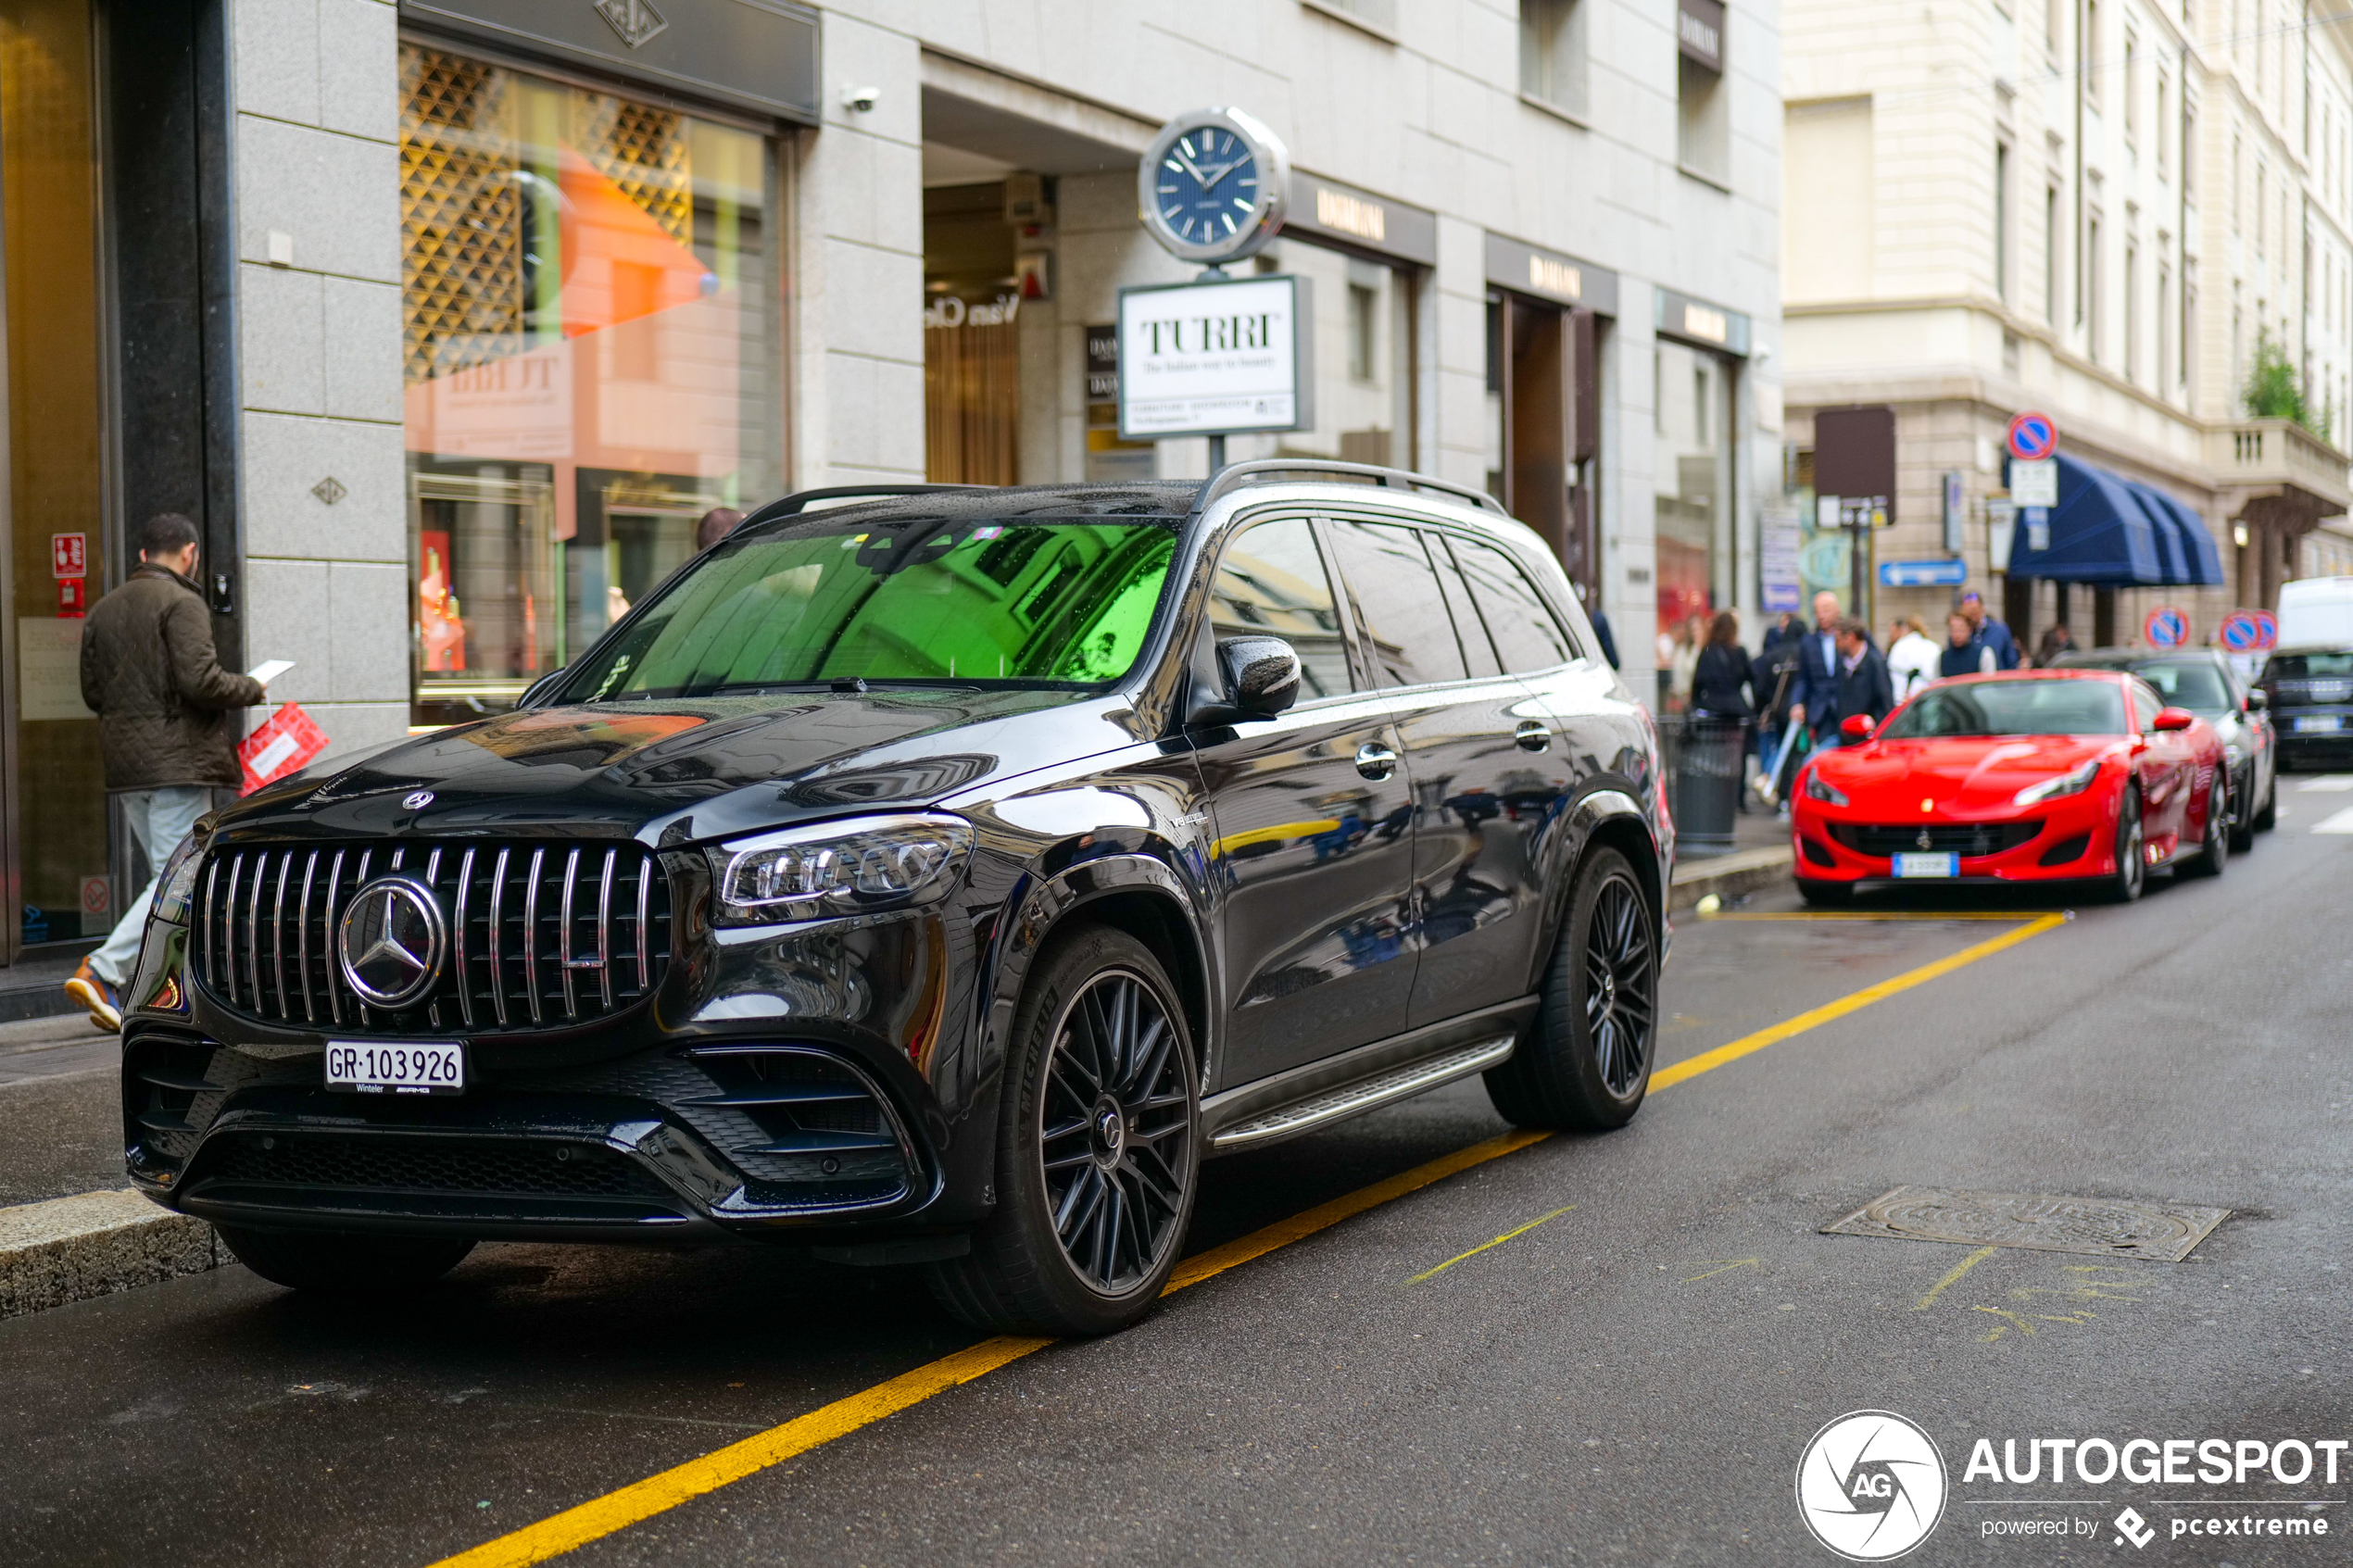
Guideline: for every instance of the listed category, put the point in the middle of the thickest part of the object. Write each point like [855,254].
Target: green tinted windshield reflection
[1028,603]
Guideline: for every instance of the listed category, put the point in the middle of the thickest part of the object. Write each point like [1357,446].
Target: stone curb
[96,1243]
[1744,871]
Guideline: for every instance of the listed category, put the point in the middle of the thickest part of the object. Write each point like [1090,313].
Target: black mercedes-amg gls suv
[936,877]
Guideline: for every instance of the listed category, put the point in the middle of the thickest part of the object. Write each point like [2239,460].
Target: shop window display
[592,360]
[1693,474]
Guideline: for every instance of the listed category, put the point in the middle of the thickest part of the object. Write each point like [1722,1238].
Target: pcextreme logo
[1870,1485]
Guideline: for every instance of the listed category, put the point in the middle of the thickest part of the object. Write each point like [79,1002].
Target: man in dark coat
[167,726]
[1814,703]
[1863,684]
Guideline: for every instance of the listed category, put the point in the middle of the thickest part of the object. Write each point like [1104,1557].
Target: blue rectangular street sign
[1923,574]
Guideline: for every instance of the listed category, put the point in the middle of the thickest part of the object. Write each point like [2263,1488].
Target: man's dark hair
[1848,626]
[716,524]
[166,534]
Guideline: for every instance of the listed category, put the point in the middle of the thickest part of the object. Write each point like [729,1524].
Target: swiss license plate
[2321,723]
[397,1067]
[1928,865]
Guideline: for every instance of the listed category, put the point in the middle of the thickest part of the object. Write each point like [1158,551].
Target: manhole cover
[2100,1226]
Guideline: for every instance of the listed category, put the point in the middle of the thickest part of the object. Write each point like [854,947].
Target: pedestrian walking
[715,525]
[1723,686]
[1912,656]
[1964,653]
[1990,631]
[1773,677]
[1863,684]
[1816,703]
[2055,640]
[167,730]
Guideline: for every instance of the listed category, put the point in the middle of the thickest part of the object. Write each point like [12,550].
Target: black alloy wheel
[1585,1062]
[1100,1149]
[2214,851]
[2131,874]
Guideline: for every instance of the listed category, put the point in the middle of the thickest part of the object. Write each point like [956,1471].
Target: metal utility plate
[2098,1228]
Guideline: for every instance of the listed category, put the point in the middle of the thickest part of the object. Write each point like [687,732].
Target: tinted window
[1012,603]
[2144,707]
[1525,633]
[1479,649]
[2296,666]
[2199,687]
[1272,583]
[1402,608]
[2011,708]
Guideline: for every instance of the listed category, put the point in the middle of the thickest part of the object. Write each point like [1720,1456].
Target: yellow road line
[1707,1062]
[1964,1266]
[1432,1274]
[641,1500]
[1889,914]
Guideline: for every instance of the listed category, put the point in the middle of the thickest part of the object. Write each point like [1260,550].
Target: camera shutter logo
[1871,1486]
[391,942]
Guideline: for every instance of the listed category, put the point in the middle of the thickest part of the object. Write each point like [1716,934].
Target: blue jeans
[159,820]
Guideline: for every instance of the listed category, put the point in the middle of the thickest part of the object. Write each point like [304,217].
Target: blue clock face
[1207,186]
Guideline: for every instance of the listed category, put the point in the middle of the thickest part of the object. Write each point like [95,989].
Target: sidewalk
[35,986]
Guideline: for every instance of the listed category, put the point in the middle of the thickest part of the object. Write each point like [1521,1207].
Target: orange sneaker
[105,1008]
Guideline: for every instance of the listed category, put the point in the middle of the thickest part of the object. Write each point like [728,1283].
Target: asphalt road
[1632,1380]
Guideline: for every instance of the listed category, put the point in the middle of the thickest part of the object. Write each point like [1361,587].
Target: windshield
[2199,687]
[2295,666]
[1019,602]
[2011,708]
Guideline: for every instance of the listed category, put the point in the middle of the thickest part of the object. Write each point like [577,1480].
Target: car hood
[674,772]
[1982,774]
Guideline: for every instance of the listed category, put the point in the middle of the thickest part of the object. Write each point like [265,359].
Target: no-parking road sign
[2034,436]
[2166,627]
[2250,630]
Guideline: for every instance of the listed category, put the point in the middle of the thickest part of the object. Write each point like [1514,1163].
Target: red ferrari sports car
[2037,775]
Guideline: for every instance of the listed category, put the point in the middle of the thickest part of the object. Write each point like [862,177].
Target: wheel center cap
[1609,990]
[1108,1133]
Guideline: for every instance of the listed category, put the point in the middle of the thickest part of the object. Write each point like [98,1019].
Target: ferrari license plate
[398,1066]
[1928,865]
[2321,723]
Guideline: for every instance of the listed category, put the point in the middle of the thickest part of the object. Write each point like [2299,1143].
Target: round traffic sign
[2240,633]
[2034,436]
[2266,628]
[2166,627]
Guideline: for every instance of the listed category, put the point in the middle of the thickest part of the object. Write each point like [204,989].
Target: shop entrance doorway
[1544,425]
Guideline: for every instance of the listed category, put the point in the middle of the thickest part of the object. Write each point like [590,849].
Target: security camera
[860,99]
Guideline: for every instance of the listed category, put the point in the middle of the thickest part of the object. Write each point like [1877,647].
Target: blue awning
[2204,566]
[2173,549]
[2099,533]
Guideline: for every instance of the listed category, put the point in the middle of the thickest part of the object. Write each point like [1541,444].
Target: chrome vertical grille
[540,935]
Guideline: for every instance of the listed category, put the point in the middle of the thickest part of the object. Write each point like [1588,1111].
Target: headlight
[2074,783]
[177,882]
[1830,795]
[834,869]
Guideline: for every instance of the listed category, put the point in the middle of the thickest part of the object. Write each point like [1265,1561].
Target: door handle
[1532,736]
[1375,760]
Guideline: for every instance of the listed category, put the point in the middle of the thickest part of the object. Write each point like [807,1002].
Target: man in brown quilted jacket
[167,726]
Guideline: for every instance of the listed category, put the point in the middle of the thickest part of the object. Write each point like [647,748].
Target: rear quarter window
[1527,638]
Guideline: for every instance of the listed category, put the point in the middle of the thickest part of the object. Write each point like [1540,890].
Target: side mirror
[2174,719]
[2257,699]
[1856,726]
[1262,674]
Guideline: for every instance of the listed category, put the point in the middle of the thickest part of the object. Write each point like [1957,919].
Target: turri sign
[1215,358]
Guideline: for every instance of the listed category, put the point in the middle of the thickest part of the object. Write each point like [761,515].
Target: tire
[1585,1062]
[2269,817]
[345,1263]
[2214,853]
[1098,1149]
[2132,876]
[1825,895]
[2243,813]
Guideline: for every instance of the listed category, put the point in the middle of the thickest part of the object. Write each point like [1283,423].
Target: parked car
[2204,682]
[2311,692]
[2042,775]
[936,878]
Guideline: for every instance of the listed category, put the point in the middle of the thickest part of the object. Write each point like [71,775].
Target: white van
[2317,612]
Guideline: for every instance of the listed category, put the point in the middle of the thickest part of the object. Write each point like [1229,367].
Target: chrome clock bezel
[1274,183]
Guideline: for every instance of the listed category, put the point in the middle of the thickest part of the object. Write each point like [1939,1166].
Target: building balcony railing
[2268,453]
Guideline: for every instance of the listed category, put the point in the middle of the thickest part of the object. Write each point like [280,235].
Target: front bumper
[2072,838]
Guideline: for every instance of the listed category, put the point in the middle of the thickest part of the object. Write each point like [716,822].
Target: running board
[1370,1094]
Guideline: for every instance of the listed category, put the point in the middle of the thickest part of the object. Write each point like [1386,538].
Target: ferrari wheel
[2131,860]
[2215,852]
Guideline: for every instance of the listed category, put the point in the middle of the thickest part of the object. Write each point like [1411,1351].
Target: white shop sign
[1215,358]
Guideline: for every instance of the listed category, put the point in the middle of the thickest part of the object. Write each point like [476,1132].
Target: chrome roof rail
[1271,471]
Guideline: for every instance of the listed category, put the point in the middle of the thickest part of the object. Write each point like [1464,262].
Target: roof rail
[798,502]
[1270,471]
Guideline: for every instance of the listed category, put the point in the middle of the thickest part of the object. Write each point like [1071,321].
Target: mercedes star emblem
[417,800]
[391,942]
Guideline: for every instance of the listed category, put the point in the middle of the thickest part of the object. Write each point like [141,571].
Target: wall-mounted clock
[1212,185]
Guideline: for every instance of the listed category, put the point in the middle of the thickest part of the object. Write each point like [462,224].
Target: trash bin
[1707,789]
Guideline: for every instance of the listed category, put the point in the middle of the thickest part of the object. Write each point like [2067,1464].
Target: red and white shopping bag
[279,745]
